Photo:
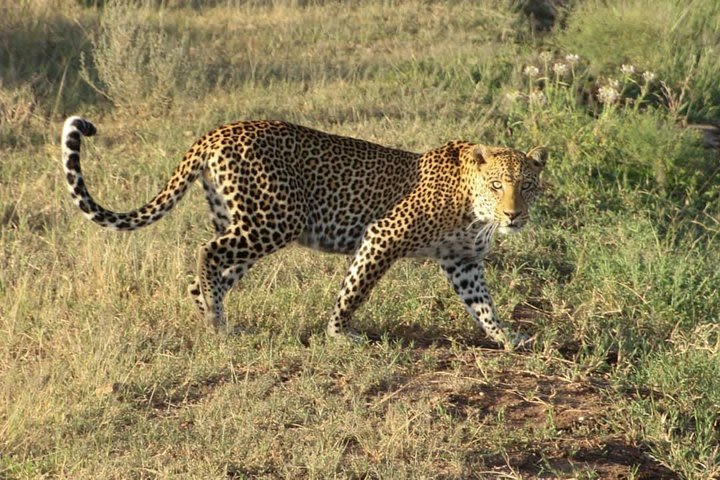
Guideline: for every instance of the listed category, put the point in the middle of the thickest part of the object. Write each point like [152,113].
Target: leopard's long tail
[183,177]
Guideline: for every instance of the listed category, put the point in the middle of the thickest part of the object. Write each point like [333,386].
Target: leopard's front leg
[468,279]
[374,257]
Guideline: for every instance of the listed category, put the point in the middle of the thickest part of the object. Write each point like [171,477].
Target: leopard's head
[506,183]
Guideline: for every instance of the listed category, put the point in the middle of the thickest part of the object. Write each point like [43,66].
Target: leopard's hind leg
[220,219]
[230,277]
[249,225]
[219,268]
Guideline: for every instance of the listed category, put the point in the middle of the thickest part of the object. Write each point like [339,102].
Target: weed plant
[139,65]
[105,371]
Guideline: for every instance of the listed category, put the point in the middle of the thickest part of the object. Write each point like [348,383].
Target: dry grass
[105,371]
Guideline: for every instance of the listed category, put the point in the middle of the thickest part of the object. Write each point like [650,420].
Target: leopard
[270,183]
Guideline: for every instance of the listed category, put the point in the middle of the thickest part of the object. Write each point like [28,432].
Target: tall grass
[677,39]
[37,46]
[106,372]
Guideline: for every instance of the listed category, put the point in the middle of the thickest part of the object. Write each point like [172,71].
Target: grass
[106,372]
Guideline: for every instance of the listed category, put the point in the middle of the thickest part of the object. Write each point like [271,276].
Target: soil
[577,413]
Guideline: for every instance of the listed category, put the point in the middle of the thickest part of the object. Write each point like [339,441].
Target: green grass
[106,372]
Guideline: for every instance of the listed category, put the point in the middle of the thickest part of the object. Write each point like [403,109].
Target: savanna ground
[106,372]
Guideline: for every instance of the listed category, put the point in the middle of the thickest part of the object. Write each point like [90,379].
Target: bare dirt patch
[608,458]
[570,418]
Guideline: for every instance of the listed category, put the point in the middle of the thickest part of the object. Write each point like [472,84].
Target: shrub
[138,64]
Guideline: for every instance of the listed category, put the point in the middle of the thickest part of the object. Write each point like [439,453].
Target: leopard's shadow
[419,337]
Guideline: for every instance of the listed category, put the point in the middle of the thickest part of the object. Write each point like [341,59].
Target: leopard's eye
[496,185]
[526,185]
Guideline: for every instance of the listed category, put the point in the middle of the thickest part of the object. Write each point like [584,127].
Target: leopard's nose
[513,214]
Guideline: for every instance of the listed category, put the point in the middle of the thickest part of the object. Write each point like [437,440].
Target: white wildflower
[613,83]
[648,76]
[560,69]
[627,69]
[538,97]
[572,58]
[546,56]
[531,71]
[608,95]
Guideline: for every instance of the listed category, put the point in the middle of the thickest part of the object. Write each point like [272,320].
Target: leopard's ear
[539,155]
[481,154]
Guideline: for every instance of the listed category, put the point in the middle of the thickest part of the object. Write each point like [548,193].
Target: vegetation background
[106,372]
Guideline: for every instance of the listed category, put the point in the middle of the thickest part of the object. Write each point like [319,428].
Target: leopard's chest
[469,242]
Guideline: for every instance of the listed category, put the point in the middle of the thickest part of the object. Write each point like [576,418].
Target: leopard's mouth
[512,227]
